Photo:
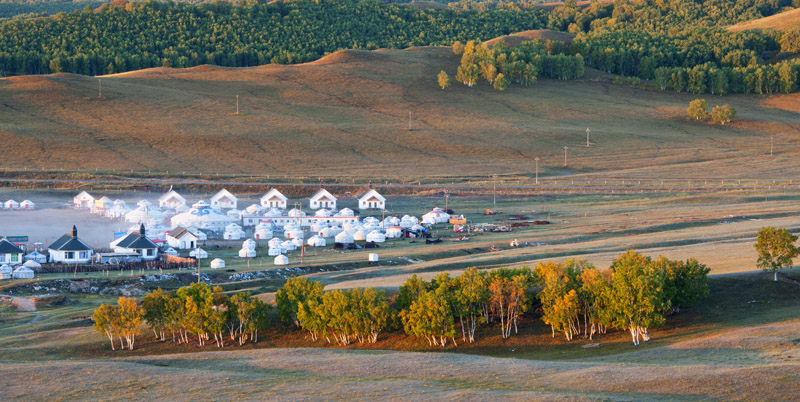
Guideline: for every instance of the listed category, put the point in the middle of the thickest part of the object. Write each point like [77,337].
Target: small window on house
[84,255]
[69,255]
[14,257]
[2,258]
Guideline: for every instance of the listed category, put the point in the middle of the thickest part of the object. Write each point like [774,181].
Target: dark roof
[69,243]
[7,247]
[178,232]
[136,241]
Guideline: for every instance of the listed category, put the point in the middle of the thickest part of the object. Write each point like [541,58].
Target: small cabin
[322,199]
[371,200]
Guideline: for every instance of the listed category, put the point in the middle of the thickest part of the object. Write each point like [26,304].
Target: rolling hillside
[785,20]
[348,115]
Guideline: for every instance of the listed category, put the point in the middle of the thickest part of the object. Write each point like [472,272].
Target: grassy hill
[348,115]
[785,20]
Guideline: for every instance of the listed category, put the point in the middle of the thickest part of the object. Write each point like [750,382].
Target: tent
[217,263]
[170,251]
[298,242]
[289,245]
[263,234]
[23,272]
[198,253]
[325,233]
[347,212]
[394,232]
[249,244]
[11,204]
[360,235]
[322,213]
[436,216]
[27,204]
[32,265]
[233,213]
[281,260]
[295,213]
[202,216]
[293,234]
[376,236]
[247,253]
[274,251]
[275,242]
[316,241]
[6,272]
[145,214]
[344,238]
[36,256]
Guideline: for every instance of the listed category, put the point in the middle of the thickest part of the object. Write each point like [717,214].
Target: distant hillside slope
[543,34]
[782,21]
[348,115]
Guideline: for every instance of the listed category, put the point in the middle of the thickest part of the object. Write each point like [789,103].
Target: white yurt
[6,272]
[217,263]
[247,253]
[350,227]
[27,204]
[437,215]
[394,232]
[117,211]
[317,227]
[273,212]
[254,209]
[170,251]
[120,202]
[417,228]
[298,242]
[371,226]
[316,241]
[249,244]
[295,213]
[293,234]
[32,265]
[202,216]
[371,220]
[263,234]
[406,223]
[335,230]
[275,242]
[360,235]
[198,253]
[201,236]
[144,203]
[347,212]
[233,213]
[273,251]
[36,256]
[233,232]
[22,272]
[344,238]
[144,214]
[322,213]
[391,221]
[289,245]
[325,233]
[11,204]
[291,226]
[376,236]
[281,260]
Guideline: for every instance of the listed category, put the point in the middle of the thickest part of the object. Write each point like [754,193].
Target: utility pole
[409,120]
[198,263]
[770,144]
[587,137]
[237,104]
[565,156]
[537,169]
[446,196]
[99,88]
[494,189]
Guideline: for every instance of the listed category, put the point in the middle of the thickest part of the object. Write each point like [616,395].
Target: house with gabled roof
[137,243]
[171,200]
[274,199]
[69,249]
[322,199]
[10,253]
[83,200]
[224,200]
[371,200]
[182,238]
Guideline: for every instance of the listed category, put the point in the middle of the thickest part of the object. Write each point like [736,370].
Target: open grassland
[347,115]
[782,21]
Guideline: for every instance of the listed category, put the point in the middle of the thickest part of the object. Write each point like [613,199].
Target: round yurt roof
[23,269]
[346,212]
[170,251]
[325,232]
[249,243]
[144,203]
[144,214]
[232,227]
[200,215]
[371,220]
[32,264]
[198,253]
[254,209]
[360,235]
[281,260]
[322,212]
[119,202]
[294,212]
[344,237]
[274,212]
[247,253]
[5,268]
[217,263]
[376,236]
[233,213]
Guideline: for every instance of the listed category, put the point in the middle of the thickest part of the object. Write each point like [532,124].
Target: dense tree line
[635,294]
[128,36]
[523,64]
[43,8]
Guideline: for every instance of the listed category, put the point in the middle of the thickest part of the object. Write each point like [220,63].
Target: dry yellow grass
[346,115]
[782,21]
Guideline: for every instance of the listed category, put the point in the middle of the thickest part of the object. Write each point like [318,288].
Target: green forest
[681,45]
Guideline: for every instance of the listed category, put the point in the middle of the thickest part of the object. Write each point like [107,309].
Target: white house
[181,238]
[171,200]
[102,206]
[70,249]
[10,253]
[372,200]
[27,204]
[224,200]
[322,199]
[11,204]
[83,200]
[274,199]
[137,242]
